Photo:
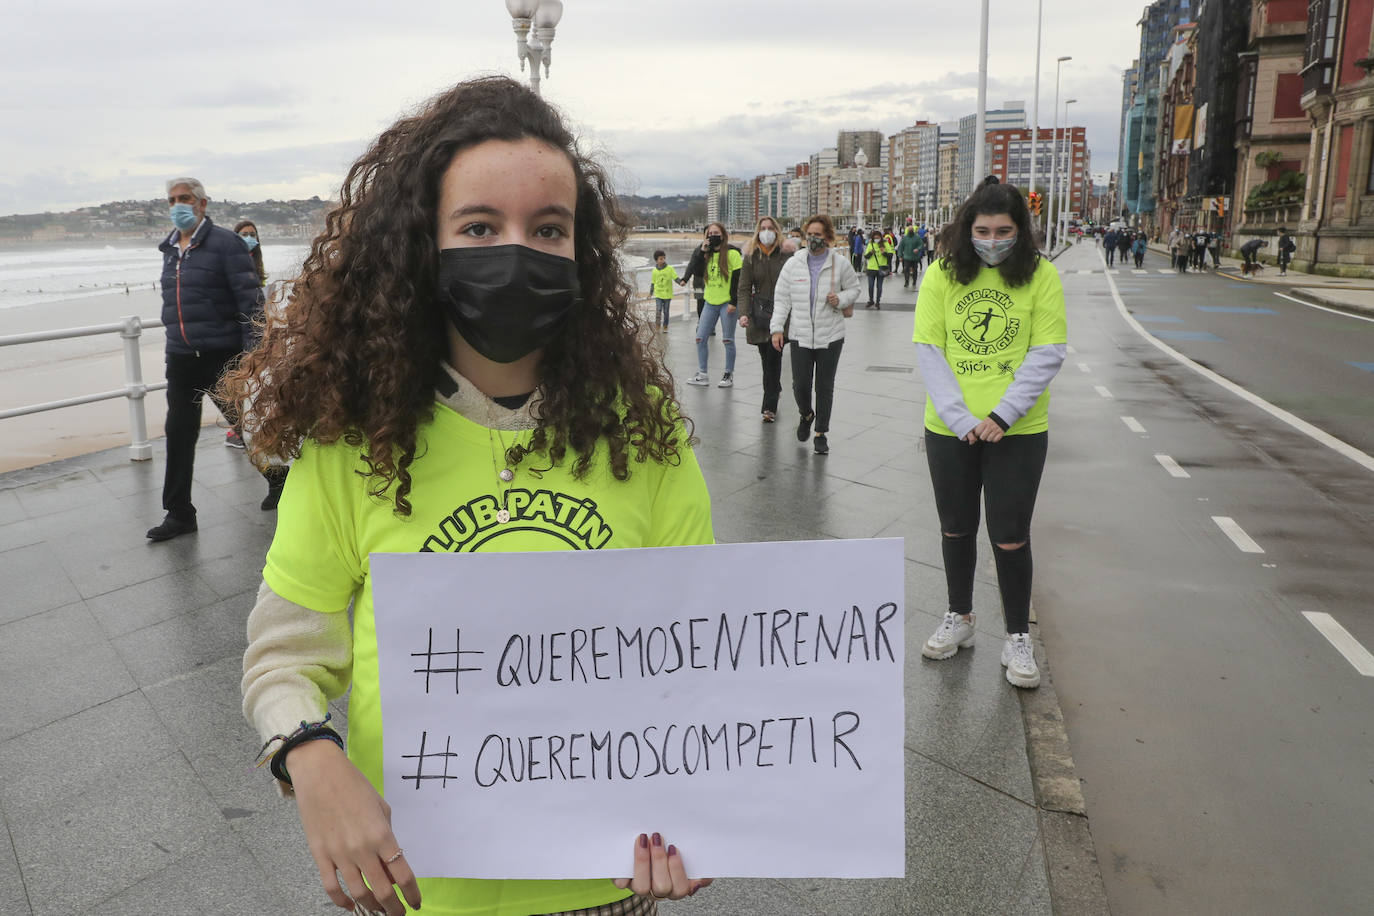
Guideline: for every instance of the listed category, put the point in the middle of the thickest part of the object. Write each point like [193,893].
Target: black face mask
[507,300]
[713,242]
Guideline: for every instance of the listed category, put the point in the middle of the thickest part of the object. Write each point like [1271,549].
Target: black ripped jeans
[1007,476]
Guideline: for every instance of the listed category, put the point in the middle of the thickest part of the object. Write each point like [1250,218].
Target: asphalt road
[1226,746]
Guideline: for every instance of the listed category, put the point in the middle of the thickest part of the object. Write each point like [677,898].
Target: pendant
[502,516]
[507,475]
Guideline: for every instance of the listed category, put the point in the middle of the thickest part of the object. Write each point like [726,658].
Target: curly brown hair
[356,351]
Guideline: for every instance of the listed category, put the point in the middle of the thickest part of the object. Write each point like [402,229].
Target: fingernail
[672,850]
[644,841]
[658,840]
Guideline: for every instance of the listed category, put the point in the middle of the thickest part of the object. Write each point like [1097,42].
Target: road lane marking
[1320,435]
[1367,367]
[1102,390]
[1345,644]
[1165,271]
[1171,466]
[1133,424]
[1236,533]
[1087,271]
[1235,310]
[1139,271]
[1313,305]
[1084,367]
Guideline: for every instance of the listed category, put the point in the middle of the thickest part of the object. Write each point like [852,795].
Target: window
[1288,96]
[1320,52]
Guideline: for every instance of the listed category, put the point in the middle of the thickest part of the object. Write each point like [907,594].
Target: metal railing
[135,390]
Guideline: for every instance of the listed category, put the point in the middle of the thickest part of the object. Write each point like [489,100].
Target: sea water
[39,276]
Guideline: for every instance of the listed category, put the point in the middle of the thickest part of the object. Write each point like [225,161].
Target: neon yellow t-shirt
[717,286]
[327,527]
[663,281]
[985,329]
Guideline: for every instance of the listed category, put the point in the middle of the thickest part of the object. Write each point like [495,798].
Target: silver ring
[395,856]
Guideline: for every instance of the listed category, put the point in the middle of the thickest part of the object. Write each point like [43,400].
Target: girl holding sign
[990,335]
[458,368]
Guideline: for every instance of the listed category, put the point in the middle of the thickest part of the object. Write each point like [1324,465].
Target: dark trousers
[772,375]
[1007,475]
[189,377]
[823,364]
[875,276]
[911,267]
[1111,254]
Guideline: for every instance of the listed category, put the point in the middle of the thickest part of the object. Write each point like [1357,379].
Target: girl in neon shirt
[460,332]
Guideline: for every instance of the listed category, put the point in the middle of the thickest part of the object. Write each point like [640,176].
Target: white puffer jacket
[818,327]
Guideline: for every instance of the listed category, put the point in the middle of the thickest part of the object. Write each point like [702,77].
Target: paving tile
[122,477]
[18,533]
[83,752]
[95,845]
[999,758]
[11,510]
[68,491]
[187,641]
[203,712]
[219,877]
[12,889]
[950,703]
[34,581]
[239,570]
[60,664]
[755,896]
[1033,888]
[136,606]
[105,565]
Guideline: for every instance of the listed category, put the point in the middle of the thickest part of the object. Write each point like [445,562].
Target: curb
[1071,863]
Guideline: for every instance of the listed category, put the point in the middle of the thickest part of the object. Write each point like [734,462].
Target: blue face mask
[250,241]
[184,217]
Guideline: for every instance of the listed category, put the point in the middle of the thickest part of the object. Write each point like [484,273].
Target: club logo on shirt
[986,327]
[566,521]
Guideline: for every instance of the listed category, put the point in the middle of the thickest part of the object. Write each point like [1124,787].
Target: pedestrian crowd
[490,350]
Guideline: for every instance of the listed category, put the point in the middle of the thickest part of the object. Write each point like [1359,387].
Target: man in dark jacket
[1286,248]
[210,295]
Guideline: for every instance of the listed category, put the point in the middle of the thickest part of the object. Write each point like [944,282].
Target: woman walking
[722,263]
[877,264]
[461,336]
[816,290]
[763,261]
[995,309]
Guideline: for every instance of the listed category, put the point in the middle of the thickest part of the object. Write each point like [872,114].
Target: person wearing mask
[696,275]
[763,261]
[990,335]
[815,293]
[877,264]
[856,248]
[492,332]
[910,253]
[274,472]
[1109,243]
[211,294]
[1181,245]
[1138,249]
[1286,248]
[722,262]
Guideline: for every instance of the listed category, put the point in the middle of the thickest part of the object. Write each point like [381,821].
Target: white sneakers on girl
[1018,657]
[953,634]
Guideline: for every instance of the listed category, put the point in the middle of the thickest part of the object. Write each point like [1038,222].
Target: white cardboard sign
[541,710]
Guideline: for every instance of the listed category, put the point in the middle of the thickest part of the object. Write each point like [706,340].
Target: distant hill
[144,219]
[672,211]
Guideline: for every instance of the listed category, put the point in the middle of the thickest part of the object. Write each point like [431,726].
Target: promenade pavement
[128,785]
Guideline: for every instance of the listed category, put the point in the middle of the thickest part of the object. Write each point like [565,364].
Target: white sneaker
[699,379]
[727,380]
[953,634]
[1018,657]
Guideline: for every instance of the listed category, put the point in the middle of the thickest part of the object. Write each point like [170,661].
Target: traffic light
[1034,202]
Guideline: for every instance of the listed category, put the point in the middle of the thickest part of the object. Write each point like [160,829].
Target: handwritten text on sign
[541,710]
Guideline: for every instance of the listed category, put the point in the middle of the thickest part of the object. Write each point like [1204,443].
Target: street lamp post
[1054,148]
[1068,171]
[539,17]
[1035,107]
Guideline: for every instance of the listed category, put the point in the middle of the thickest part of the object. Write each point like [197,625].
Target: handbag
[848,310]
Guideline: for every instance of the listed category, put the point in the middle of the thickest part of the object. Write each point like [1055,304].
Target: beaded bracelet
[308,731]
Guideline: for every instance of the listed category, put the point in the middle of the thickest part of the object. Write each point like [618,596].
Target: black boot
[276,480]
[171,527]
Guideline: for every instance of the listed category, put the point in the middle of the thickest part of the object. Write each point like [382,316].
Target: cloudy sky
[104,100]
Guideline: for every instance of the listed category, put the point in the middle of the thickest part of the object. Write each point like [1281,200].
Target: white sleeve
[297,660]
[944,390]
[782,299]
[1032,377]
